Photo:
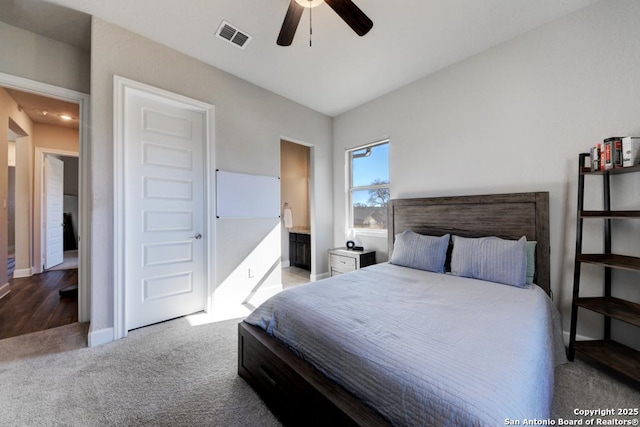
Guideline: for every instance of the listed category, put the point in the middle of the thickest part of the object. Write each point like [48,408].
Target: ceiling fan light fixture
[346,9]
[309,3]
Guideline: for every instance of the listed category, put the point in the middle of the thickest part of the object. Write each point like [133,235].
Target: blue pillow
[491,258]
[420,252]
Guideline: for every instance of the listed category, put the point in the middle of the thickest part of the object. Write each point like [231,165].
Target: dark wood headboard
[509,216]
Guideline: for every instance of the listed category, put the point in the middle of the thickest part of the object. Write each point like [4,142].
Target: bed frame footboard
[297,393]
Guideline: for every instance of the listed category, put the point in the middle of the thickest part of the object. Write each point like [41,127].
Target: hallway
[34,303]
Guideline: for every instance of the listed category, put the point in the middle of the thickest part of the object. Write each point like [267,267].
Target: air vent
[233,35]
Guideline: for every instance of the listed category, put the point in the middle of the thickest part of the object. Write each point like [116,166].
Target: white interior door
[164,241]
[54,215]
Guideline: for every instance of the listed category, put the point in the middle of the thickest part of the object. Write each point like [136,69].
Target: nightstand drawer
[342,264]
[343,260]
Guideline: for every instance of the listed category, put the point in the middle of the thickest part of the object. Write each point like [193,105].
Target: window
[368,194]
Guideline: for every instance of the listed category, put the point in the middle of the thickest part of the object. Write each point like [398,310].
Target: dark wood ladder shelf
[611,260]
[610,214]
[607,352]
[616,171]
[615,308]
[613,355]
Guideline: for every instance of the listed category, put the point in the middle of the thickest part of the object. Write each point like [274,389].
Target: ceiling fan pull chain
[310,26]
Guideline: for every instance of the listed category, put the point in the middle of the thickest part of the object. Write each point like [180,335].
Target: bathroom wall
[294,189]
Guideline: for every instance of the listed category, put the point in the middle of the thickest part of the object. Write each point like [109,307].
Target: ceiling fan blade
[352,15]
[290,24]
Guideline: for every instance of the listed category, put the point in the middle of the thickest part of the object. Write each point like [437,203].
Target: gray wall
[39,58]
[249,123]
[11,210]
[512,119]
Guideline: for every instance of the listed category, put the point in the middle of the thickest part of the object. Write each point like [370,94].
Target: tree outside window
[369,186]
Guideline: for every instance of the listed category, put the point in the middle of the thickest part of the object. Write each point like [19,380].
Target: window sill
[371,233]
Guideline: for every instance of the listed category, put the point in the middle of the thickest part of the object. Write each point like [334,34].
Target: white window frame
[350,189]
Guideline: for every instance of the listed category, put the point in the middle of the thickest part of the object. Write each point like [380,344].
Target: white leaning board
[241,195]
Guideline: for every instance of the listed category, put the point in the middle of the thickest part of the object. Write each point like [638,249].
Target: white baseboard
[316,277]
[565,336]
[285,264]
[4,290]
[103,336]
[23,272]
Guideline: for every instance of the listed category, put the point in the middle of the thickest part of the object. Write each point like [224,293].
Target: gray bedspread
[425,349]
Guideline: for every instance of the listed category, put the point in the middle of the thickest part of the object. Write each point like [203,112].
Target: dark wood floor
[34,303]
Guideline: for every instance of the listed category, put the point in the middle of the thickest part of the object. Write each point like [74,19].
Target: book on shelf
[630,151]
[608,154]
[594,155]
[615,152]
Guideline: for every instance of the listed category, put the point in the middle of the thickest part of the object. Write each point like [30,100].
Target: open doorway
[59,211]
[40,125]
[295,174]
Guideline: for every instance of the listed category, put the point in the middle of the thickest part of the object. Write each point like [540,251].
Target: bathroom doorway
[295,193]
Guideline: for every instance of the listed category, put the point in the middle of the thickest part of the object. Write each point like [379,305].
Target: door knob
[197,236]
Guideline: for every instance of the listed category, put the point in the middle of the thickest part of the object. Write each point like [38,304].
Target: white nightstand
[343,260]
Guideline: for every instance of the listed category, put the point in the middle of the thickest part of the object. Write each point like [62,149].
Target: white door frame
[120,87]
[84,233]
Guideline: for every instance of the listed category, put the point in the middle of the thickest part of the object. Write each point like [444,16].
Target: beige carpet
[170,374]
[175,374]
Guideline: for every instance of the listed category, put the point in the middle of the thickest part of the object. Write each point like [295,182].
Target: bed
[432,349]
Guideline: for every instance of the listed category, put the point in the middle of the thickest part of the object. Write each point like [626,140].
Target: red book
[608,164]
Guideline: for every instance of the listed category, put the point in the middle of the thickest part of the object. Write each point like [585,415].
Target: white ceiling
[409,40]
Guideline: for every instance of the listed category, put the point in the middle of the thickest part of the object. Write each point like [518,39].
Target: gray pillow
[490,258]
[419,251]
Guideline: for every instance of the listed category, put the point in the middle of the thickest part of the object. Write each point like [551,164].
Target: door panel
[54,211]
[165,269]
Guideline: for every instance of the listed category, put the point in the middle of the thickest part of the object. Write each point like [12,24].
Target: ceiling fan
[346,9]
